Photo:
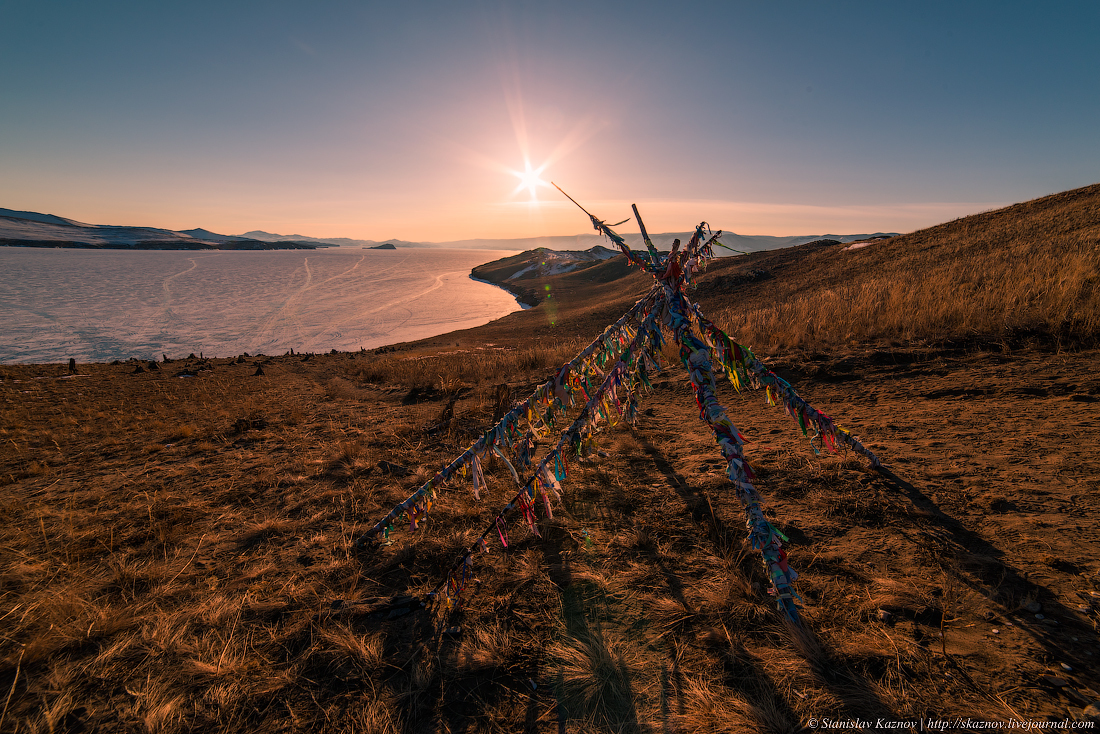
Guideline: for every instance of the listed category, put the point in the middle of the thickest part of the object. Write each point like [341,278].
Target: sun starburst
[530,179]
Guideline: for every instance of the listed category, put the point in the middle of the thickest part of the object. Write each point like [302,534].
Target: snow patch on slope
[556,262]
[18,228]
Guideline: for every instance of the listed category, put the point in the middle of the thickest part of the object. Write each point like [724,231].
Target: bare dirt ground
[178,551]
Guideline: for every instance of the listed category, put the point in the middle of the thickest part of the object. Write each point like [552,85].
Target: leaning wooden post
[645,235]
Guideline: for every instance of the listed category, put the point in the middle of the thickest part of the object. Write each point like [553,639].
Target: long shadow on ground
[743,672]
[995,577]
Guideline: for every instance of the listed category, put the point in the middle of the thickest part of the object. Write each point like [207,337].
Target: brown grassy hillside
[1028,271]
[1031,269]
[178,546]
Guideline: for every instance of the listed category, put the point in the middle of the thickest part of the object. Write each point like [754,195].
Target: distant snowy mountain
[663,241]
[24,232]
[259,234]
[36,217]
[338,241]
[207,236]
[579,242]
[30,229]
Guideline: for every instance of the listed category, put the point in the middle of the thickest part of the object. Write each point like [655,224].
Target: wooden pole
[645,235]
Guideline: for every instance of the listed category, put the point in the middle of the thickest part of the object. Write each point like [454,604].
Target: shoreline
[519,293]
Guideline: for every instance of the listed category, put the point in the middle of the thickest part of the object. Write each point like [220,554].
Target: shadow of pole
[701,510]
[1009,578]
[855,691]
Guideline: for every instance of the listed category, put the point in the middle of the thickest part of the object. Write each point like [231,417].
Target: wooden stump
[503,401]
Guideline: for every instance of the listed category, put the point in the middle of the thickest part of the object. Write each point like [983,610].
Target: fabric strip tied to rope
[633,353]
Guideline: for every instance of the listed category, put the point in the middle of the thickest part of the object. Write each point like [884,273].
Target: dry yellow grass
[178,553]
[1032,269]
[449,370]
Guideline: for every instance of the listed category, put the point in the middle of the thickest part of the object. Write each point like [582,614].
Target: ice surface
[97,306]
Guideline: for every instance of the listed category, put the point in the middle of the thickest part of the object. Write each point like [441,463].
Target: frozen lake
[102,305]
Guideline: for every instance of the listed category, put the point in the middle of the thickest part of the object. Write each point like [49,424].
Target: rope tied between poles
[632,352]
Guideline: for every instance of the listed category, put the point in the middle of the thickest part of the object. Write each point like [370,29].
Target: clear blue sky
[403,120]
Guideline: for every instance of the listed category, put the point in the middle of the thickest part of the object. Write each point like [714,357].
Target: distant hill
[1023,275]
[327,241]
[520,274]
[36,217]
[30,229]
[208,236]
[1025,272]
[579,242]
[663,241]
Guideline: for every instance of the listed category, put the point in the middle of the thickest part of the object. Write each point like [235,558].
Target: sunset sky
[408,120]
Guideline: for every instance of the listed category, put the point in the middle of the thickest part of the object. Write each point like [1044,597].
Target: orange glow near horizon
[447,219]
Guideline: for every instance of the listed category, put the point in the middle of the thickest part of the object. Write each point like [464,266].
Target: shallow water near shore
[102,305]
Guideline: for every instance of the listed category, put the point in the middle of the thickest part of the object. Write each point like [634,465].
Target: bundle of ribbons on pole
[539,410]
[545,479]
[742,366]
[634,352]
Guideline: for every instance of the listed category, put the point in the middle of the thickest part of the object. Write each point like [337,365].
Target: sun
[529,179]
